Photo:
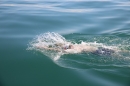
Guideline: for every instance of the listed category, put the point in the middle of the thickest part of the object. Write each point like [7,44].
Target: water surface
[103,21]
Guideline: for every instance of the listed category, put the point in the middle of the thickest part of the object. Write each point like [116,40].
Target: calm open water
[103,21]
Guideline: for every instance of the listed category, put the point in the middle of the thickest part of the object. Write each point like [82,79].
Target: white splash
[45,40]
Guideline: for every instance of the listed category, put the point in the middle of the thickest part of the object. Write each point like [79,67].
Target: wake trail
[121,55]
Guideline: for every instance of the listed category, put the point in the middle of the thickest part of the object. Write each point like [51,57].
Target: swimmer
[78,48]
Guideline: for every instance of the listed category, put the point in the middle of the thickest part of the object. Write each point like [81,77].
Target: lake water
[105,22]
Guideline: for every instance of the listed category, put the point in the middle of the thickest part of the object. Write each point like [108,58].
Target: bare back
[79,48]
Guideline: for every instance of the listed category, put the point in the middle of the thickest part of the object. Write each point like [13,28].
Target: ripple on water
[84,61]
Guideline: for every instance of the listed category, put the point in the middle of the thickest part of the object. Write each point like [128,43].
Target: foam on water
[120,56]
[45,40]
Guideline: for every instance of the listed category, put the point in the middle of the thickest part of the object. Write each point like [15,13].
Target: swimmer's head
[68,47]
[64,46]
[71,46]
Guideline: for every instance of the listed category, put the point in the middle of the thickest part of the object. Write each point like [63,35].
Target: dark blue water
[100,21]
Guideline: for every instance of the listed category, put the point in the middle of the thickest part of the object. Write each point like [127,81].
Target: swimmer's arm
[49,48]
[53,49]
